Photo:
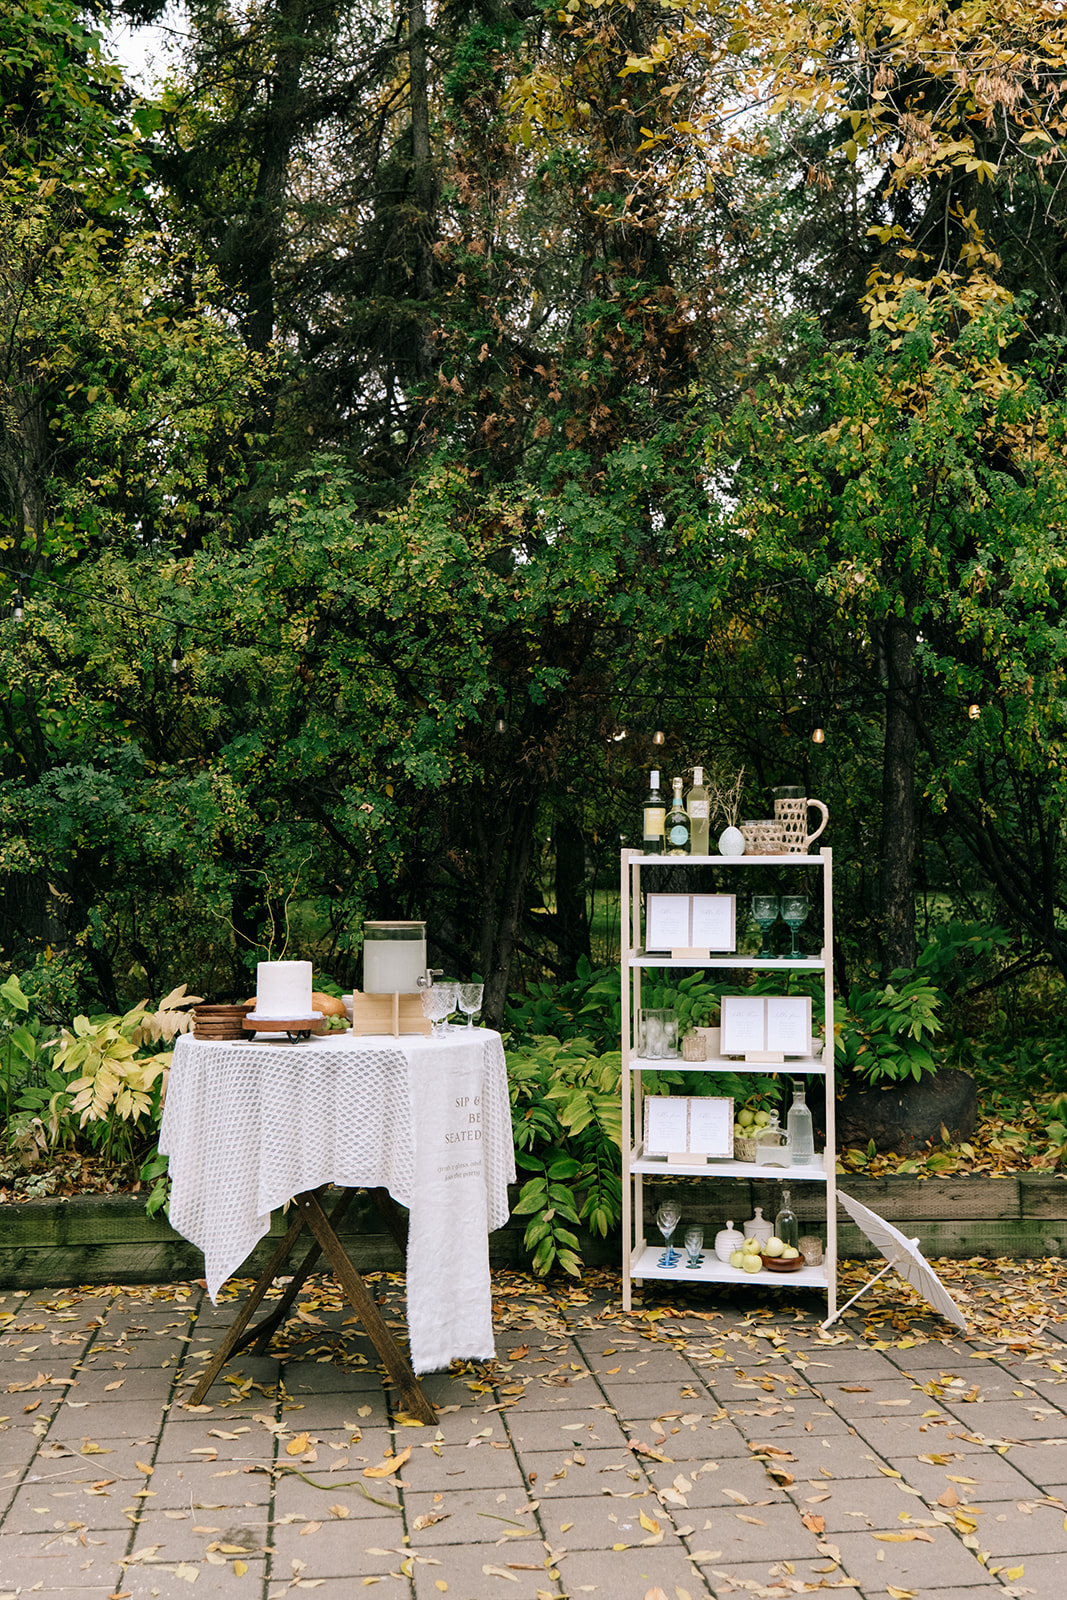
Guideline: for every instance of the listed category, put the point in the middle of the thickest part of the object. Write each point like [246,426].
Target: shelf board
[795,1067]
[641,958]
[712,1270]
[725,1168]
[727,861]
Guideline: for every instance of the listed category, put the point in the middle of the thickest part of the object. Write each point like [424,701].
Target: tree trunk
[898,797]
[516,871]
[572,917]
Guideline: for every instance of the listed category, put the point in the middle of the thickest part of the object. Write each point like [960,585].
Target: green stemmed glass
[794,915]
[765,913]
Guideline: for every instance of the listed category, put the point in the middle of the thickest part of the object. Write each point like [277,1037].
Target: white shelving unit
[641,1255]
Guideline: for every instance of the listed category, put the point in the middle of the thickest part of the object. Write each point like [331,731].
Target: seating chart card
[697,1125]
[691,921]
[757,1023]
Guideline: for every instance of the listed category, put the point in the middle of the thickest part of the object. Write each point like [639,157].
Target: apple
[763,1119]
[752,1246]
[746,1117]
[790,1253]
[774,1247]
[737,1258]
[751,1263]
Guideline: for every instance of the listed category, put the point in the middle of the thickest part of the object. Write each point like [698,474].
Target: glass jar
[771,1145]
[394,957]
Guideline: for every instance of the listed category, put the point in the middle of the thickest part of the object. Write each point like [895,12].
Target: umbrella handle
[868,1285]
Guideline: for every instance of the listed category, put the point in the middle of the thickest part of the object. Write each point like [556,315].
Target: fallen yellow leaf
[391,1464]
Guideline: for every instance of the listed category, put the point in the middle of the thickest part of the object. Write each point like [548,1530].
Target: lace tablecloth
[248,1126]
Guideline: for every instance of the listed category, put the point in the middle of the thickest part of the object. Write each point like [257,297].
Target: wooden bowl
[776,1264]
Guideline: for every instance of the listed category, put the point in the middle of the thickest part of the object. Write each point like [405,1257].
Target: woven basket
[744,1148]
[763,838]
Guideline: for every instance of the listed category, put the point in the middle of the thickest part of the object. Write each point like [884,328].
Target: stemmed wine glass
[667,1219]
[794,915]
[765,913]
[694,1246]
[438,1002]
[470,1000]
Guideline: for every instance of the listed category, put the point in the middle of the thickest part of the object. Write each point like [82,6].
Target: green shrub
[566,1115]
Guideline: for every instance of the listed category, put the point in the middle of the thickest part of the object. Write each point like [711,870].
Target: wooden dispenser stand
[389,1013]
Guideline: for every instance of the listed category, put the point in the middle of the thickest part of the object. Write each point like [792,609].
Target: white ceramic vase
[731,842]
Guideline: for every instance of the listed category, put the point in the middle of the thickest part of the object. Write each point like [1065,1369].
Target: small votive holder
[810,1247]
[694,1047]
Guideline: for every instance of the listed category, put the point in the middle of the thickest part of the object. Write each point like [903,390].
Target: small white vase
[731,842]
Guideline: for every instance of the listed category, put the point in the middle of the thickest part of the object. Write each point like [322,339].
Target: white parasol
[905,1257]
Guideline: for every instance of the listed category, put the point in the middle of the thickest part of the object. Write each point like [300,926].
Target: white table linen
[247,1126]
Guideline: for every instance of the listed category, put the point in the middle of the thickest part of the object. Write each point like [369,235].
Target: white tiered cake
[283,990]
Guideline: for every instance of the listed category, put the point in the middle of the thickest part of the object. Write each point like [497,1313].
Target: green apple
[763,1119]
[751,1263]
[790,1253]
[746,1117]
[737,1258]
[752,1246]
[774,1247]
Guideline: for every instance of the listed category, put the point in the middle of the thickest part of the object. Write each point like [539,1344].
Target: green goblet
[794,915]
[765,913]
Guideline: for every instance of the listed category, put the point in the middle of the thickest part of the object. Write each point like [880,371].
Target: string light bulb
[659,737]
[818,731]
[974,711]
[176,654]
[501,723]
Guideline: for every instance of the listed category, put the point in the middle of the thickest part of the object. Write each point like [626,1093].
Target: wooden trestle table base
[310,1215]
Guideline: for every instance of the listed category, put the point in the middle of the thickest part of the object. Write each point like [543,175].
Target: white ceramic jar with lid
[727,1240]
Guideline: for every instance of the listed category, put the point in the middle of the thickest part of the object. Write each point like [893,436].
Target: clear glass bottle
[698,807]
[800,1130]
[771,1147]
[786,1227]
[653,816]
[676,826]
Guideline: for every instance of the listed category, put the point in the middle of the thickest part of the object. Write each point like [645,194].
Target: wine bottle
[799,1127]
[698,807]
[677,823]
[653,816]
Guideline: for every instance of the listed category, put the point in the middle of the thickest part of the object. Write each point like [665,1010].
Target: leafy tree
[917,492]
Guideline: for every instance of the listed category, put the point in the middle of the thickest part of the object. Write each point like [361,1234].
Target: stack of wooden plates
[220,1022]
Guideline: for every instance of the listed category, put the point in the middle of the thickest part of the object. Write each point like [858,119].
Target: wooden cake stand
[294,1028]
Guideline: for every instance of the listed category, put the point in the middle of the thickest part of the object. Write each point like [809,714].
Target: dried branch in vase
[724,791]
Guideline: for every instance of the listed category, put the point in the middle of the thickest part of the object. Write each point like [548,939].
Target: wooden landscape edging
[95,1239]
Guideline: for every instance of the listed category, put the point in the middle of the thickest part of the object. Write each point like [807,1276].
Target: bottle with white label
[699,809]
[676,827]
[653,816]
